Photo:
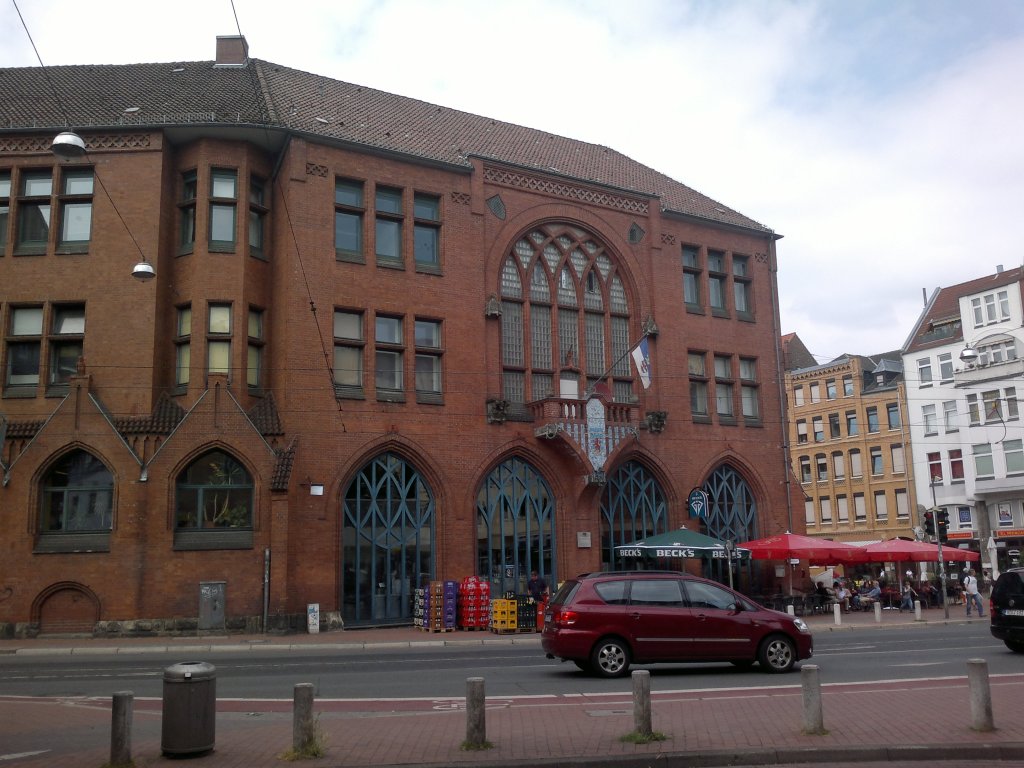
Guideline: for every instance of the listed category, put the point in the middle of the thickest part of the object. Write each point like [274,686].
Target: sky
[881,138]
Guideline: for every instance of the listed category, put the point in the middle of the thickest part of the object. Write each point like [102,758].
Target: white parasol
[992,557]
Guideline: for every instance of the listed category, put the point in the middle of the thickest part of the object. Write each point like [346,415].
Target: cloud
[881,139]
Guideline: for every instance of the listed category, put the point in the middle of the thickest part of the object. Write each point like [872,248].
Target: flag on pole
[642,358]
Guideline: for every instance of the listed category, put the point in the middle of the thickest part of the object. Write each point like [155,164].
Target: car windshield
[565,593]
[1008,583]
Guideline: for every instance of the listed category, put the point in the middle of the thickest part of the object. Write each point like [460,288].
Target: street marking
[17,755]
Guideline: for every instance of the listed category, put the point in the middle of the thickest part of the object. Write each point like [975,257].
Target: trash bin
[190,708]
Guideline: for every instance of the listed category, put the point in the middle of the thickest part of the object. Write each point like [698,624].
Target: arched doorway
[67,608]
[387,541]
[632,507]
[515,527]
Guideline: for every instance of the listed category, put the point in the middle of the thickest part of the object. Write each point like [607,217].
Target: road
[521,670]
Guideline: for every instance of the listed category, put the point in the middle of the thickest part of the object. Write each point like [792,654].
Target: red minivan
[603,622]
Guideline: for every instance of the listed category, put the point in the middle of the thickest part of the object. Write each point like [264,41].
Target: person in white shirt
[971,593]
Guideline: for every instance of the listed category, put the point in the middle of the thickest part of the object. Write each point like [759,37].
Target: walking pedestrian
[971,595]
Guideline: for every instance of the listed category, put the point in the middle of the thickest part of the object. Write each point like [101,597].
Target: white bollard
[791,610]
[981,695]
[837,613]
[814,720]
[878,612]
[917,610]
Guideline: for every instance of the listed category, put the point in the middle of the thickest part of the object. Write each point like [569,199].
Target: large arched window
[214,492]
[387,541]
[563,304]
[77,495]
[732,512]
[515,512]
[632,507]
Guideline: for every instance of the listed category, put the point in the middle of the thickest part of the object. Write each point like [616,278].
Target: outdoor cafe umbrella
[793,546]
[902,550]
[788,546]
[680,543]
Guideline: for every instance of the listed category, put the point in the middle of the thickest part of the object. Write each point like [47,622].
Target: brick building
[386,341]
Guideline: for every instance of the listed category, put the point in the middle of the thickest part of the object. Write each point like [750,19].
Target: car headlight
[801,625]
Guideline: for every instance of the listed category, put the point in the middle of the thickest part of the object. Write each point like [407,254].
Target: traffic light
[929,522]
[942,525]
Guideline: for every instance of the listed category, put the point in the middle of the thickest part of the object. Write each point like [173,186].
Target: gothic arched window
[563,305]
[77,495]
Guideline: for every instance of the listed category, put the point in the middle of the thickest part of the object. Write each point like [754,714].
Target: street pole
[730,545]
[942,565]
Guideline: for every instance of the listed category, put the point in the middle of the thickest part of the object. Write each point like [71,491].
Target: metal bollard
[121,729]
[981,695]
[878,612]
[837,613]
[814,721]
[476,707]
[303,724]
[642,702]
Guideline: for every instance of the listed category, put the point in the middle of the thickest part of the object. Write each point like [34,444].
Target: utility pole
[942,565]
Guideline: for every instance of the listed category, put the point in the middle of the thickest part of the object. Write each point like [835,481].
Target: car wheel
[777,654]
[1015,645]
[610,658]
[585,666]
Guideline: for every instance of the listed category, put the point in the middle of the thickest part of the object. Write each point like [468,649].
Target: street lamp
[942,565]
[68,145]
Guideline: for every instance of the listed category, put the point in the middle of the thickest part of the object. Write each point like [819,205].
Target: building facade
[851,447]
[964,369]
[386,342]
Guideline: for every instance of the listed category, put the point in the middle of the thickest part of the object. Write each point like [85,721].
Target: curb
[740,758]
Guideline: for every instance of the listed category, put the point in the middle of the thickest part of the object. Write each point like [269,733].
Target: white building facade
[964,374]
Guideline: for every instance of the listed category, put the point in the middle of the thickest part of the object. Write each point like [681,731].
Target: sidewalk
[703,727]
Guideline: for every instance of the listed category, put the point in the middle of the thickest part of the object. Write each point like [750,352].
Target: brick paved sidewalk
[901,721]
[709,727]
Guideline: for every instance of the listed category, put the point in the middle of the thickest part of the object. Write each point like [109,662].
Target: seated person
[870,594]
[842,595]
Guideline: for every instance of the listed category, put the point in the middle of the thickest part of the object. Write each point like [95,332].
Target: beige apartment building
[850,447]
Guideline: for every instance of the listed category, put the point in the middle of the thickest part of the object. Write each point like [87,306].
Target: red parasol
[901,550]
[792,545]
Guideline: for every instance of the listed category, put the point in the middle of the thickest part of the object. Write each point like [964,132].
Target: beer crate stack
[505,614]
[526,610]
[436,606]
[474,607]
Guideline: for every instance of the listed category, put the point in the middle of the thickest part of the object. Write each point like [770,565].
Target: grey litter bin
[190,708]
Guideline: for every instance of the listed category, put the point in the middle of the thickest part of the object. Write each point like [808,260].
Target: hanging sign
[597,440]
[697,503]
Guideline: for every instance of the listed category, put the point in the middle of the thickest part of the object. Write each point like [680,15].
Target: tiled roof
[20,430]
[283,468]
[166,415]
[265,417]
[280,98]
[940,323]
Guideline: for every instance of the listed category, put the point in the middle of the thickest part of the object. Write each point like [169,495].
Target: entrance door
[387,542]
[515,527]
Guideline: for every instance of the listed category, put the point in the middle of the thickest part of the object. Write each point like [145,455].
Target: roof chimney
[232,51]
[999,269]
